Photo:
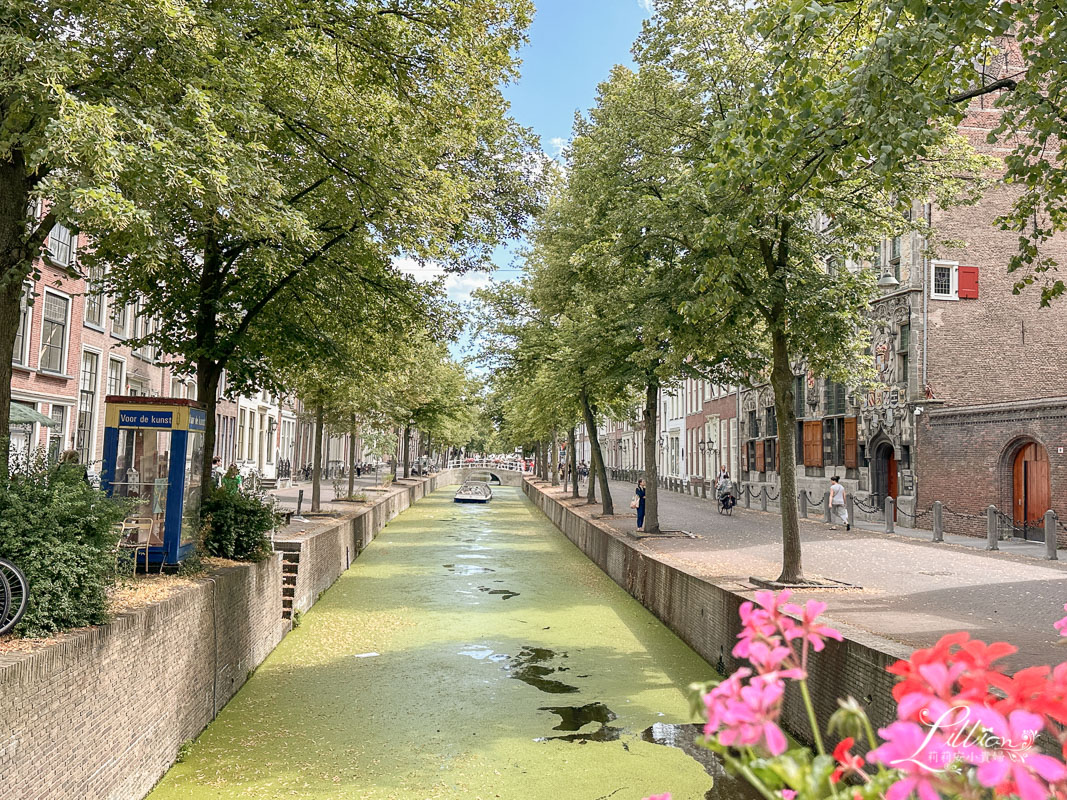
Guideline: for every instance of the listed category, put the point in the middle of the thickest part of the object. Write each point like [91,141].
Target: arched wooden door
[1031,490]
[885,475]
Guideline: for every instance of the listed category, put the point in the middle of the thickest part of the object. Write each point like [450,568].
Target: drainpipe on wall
[926,294]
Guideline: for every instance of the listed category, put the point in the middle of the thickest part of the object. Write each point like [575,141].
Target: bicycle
[14,595]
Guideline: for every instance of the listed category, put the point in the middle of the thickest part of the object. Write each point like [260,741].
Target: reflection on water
[684,737]
[467,569]
[529,667]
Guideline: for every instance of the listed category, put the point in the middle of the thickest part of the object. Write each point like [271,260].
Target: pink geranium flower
[664,796]
[747,714]
[1017,768]
[920,756]
[810,631]
[1061,624]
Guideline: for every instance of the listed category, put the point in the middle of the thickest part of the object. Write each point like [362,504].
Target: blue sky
[572,47]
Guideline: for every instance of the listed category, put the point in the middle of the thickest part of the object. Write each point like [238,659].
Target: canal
[470,651]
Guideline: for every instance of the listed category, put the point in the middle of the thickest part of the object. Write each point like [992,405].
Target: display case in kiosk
[153,447]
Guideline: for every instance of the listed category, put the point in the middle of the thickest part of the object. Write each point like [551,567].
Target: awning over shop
[24,415]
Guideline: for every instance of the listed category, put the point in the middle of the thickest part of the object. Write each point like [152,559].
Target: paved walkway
[913,591]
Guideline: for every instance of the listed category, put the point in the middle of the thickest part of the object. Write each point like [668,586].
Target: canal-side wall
[705,616]
[101,714]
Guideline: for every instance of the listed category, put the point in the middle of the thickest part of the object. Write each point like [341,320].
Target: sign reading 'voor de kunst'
[145,419]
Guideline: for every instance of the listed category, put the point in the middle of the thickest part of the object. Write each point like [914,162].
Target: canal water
[471,651]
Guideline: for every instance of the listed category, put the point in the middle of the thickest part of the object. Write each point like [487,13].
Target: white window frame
[90,286]
[122,380]
[26,315]
[129,311]
[65,352]
[94,417]
[72,246]
[954,291]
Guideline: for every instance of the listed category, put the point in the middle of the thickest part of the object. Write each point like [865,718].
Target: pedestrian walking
[837,503]
[638,503]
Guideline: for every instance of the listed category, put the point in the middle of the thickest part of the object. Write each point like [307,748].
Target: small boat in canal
[474,492]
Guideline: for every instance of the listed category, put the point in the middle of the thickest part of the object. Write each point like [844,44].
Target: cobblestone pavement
[913,591]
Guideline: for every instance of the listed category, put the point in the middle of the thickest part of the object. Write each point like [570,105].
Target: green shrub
[237,525]
[60,532]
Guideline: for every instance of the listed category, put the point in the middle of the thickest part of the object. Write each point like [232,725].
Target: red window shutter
[967,283]
[851,459]
[761,461]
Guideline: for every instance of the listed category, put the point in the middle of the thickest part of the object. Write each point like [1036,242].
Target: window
[943,281]
[83,440]
[61,245]
[798,443]
[55,434]
[750,455]
[94,298]
[241,433]
[905,338]
[798,396]
[175,387]
[905,456]
[753,425]
[116,375]
[22,338]
[771,422]
[813,443]
[120,320]
[770,454]
[834,398]
[54,333]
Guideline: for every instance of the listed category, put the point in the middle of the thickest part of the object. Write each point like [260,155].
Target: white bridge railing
[506,465]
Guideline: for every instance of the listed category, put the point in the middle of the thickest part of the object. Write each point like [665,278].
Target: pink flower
[665,796]
[809,630]
[1061,625]
[746,714]
[774,658]
[762,621]
[919,754]
[1016,768]
[787,794]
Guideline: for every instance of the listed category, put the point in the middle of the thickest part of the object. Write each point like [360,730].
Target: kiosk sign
[129,418]
[197,420]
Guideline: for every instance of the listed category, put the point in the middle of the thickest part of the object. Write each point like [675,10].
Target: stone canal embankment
[705,616]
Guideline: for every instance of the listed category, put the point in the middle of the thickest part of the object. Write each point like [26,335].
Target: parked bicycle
[14,595]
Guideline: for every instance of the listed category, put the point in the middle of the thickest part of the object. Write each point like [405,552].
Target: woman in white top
[837,503]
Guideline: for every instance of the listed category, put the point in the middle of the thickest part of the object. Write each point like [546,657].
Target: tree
[784,182]
[357,131]
[80,84]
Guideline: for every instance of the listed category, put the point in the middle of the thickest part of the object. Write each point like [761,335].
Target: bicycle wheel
[5,597]
[17,595]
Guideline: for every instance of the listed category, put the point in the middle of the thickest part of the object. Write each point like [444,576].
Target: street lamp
[887,280]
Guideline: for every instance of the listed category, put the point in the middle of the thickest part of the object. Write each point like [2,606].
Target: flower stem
[811,716]
[749,776]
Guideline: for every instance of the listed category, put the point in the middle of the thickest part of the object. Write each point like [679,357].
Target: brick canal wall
[101,714]
[705,616]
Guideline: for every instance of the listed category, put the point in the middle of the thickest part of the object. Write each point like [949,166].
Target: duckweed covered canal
[470,651]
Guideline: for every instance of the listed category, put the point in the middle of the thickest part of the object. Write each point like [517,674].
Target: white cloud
[458,287]
[558,143]
[647,5]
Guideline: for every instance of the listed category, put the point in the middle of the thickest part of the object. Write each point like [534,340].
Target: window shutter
[967,283]
[813,443]
[761,461]
[851,459]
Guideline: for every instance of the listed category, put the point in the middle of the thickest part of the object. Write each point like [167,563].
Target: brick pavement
[913,591]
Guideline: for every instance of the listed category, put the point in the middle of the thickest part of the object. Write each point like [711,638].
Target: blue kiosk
[153,448]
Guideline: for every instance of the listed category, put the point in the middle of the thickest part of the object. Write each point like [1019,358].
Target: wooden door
[891,474]
[1031,488]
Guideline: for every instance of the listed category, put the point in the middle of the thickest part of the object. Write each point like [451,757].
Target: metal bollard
[939,521]
[826,506]
[850,510]
[763,498]
[803,505]
[299,501]
[1050,535]
[890,508]
[748,497]
[704,489]
[991,528]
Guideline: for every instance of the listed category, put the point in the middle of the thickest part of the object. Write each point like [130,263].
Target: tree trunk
[208,375]
[785,412]
[352,458]
[316,471]
[573,458]
[651,466]
[553,461]
[597,457]
[17,252]
[542,449]
[407,451]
